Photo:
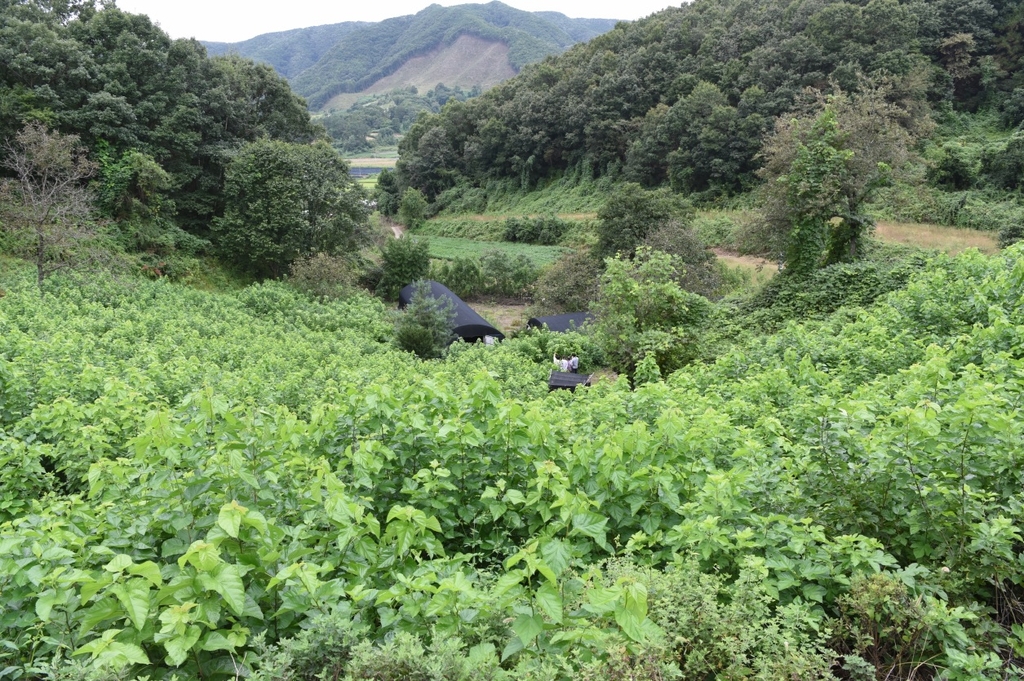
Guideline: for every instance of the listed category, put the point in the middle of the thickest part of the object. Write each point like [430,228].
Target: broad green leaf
[105,609]
[134,598]
[149,571]
[201,555]
[814,592]
[550,602]
[230,518]
[178,647]
[257,521]
[528,627]
[118,563]
[227,581]
[556,555]
[630,624]
[44,605]
[592,525]
[215,640]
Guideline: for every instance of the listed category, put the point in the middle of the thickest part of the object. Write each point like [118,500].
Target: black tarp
[561,322]
[561,380]
[468,324]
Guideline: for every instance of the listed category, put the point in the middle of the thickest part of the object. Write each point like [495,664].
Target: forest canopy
[123,86]
[685,97]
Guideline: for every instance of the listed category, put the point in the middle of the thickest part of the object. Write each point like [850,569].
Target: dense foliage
[188,474]
[286,201]
[685,96]
[124,87]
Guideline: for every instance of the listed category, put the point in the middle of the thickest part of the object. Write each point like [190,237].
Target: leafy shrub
[403,261]
[507,275]
[321,651]
[412,210]
[425,326]
[461,275]
[322,276]
[546,230]
[570,284]
[385,193]
[716,230]
[718,629]
[696,264]
[268,298]
[1013,108]
[1011,233]
[631,213]
[953,169]
[821,292]
[1004,166]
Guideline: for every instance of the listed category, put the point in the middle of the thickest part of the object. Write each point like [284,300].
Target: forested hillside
[289,52]
[120,84]
[156,125]
[685,97]
[359,55]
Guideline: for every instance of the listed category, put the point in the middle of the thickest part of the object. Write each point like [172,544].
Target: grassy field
[950,240]
[449,248]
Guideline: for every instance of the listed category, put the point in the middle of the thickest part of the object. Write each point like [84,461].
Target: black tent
[468,324]
[561,322]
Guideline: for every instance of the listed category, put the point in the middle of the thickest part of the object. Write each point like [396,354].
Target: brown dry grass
[758,269]
[950,240]
[377,162]
[507,318]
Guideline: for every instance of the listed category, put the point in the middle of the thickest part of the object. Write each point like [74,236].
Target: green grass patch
[449,248]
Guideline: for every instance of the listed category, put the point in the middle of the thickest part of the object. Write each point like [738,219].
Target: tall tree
[821,169]
[288,200]
[46,205]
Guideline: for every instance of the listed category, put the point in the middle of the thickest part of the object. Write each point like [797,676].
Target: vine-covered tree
[821,169]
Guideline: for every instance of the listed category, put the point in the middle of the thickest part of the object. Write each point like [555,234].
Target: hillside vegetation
[686,97]
[360,55]
[189,477]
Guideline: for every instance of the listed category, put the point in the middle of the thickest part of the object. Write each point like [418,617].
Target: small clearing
[506,317]
[951,240]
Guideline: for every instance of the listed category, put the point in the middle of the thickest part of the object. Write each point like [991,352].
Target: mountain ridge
[324,61]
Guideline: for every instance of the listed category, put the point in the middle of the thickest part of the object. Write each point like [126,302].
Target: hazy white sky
[235,20]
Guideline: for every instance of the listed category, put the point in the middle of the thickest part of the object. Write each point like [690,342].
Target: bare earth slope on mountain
[467,62]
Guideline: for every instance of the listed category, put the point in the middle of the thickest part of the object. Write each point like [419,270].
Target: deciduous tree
[821,169]
[288,200]
[642,311]
[47,205]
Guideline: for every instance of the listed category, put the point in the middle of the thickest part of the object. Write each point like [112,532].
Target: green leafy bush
[546,230]
[462,276]
[424,327]
[403,261]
